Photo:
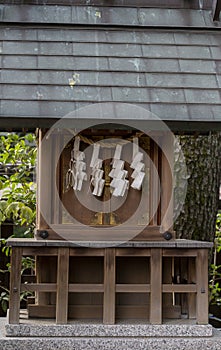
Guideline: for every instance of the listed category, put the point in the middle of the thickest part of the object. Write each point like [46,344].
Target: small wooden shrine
[99,263]
[104,246]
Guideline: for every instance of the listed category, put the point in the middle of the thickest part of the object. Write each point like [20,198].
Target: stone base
[33,334]
[93,329]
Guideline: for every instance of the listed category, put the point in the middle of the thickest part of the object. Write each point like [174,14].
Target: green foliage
[17,165]
[27,263]
[4,299]
[18,195]
[215,270]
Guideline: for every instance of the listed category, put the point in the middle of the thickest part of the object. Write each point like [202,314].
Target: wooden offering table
[151,280]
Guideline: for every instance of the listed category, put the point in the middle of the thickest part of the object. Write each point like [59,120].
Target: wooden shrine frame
[49,181]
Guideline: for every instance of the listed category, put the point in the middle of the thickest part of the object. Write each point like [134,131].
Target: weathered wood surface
[178,243]
[62,286]
[15,282]
[107,283]
[156,286]
[202,286]
[109,286]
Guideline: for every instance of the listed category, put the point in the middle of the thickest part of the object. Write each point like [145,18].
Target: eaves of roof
[172,69]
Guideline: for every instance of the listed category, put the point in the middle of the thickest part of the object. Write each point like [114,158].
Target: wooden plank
[156,286]
[85,312]
[132,288]
[179,252]
[62,286]
[202,286]
[132,312]
[85,287]
[74,311]
[40,251]
[39,287]
[109,286]
[151,233]
[41,311]
[172,312]
[179,288]
[132,252]
[86,251]
[192,296]
[15,282]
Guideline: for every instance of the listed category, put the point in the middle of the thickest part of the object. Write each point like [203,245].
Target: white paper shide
[119,183]
[97,173]
[76,173]
[138,166]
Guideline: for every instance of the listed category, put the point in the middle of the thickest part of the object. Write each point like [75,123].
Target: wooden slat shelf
[133,279]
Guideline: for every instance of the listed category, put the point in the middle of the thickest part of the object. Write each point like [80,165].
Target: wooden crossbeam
[179,288]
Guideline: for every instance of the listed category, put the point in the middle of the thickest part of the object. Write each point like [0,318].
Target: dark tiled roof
[166,60]
[195,4]
[111,15]
[175,74]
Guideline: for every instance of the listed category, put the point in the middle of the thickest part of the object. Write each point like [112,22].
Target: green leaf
[4,304]
[12,210]
[26,213]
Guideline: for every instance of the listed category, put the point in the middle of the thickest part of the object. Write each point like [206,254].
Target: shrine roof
[56,59]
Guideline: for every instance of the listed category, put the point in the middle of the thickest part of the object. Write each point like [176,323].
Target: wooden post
[45,178]
[62,286]
[192,296]
[154,184]
[202,286]
[167,183]
[156,286]
[15,283]
[56,179]
[109,286]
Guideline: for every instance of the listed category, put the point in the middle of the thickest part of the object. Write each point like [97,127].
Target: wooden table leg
[62,286]
[109,286]
[156,286]
[15,285]
[202,286]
